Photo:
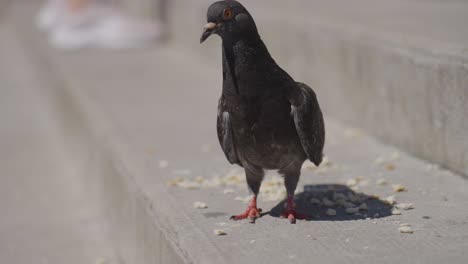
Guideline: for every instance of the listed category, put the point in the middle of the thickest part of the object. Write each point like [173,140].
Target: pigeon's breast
[264,131]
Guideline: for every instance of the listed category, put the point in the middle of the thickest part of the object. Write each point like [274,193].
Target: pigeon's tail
[317,159]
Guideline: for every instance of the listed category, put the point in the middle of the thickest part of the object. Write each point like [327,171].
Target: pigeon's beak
[209,29]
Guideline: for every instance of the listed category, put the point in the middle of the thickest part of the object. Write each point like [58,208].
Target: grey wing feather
[225,135]
[309,121]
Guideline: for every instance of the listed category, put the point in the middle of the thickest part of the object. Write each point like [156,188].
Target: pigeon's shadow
[376,208]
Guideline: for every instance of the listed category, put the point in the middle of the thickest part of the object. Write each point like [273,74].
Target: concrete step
[145,119]
[50,212]
[398,69]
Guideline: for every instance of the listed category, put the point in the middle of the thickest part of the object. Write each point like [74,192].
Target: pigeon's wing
[225,135]
[308,120]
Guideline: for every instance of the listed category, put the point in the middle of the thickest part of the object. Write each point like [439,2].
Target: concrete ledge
[115,108]
[390,68]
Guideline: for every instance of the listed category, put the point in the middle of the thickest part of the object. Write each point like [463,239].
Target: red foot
[291,213]
[252,212]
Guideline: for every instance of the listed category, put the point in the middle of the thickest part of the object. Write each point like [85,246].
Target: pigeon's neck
[241,57]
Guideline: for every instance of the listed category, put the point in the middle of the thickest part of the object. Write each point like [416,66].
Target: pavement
[49,214]
[141,125]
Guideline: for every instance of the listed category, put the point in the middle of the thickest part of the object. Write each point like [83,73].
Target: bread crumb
[390,167]
[219,232]
[252,241]
[176,181]
[395,211]
[352,210]
[395,156]
[338,196]
[405,229]
[163,164]
[391,199]
[200,205]
[330,212]
[404,206]
[351,182]
[182,172]
[101,260]
[379,160]
[405,224]
[226,191]
[381,182]
[327,202]
[314,201]
[189,185]
[363,207]
[398,188]
[199,179]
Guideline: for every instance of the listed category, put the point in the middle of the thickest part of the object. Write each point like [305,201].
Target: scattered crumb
[376,215]
[327,202]
[226,191]
[368,218]
[347,240]
[374,196]
[381,182]
[351,182]
[189,185]
[352,210]
[330,212]
[200,205]
[348,205]
[101,260]
[405,224]
[374,222]
[326,161]
[182,172]
[395,156]
[398,188]
[379,160]
[163,164]
[391,199]
[314,201]
[390,167]
[363,207]
[395,211]
[339,196]
[404,206]
[175,181]
[219,232]
[252,241]
[308,165]
[405,229]
[199,179]
[222,223]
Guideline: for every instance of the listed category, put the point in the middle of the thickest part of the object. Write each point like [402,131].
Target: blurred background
[102,102]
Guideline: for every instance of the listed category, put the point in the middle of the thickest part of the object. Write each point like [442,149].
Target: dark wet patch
[376,208]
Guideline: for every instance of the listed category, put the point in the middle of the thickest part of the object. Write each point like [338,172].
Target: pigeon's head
[228,19]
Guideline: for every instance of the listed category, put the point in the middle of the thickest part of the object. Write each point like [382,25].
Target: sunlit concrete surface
[121,126]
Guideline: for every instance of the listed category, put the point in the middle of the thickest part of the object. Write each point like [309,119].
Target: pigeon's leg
[254,176]
[291,178]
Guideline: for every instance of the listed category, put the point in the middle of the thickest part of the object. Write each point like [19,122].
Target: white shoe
[106,27]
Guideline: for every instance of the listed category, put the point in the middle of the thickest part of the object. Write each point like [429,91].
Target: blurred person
[74,24]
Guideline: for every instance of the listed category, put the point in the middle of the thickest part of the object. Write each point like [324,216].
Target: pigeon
[266,120]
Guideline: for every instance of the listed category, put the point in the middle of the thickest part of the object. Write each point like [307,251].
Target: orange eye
[227,13]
